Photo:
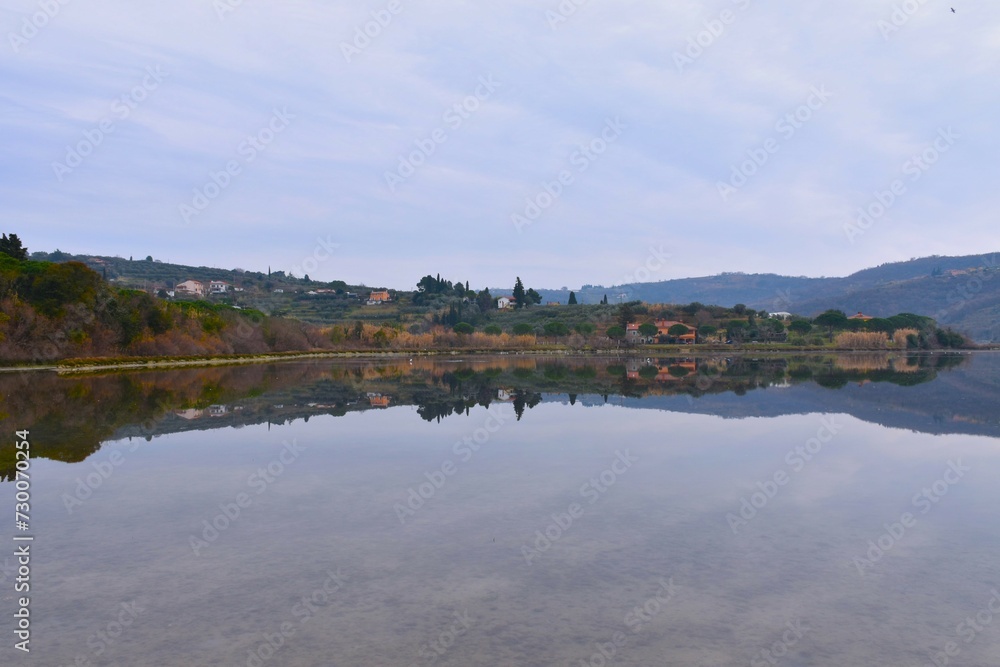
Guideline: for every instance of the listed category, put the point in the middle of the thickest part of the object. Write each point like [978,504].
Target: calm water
[511,511]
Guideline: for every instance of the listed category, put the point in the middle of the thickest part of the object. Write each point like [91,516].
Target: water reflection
[521,512]
[71,415]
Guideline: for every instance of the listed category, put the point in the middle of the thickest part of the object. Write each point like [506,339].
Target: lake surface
[835,510]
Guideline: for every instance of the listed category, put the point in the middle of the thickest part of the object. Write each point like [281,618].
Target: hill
[961,292]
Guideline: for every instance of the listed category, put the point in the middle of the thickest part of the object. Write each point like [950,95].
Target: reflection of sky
[666,515]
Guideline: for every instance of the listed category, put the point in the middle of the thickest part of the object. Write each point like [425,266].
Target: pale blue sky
[330,122]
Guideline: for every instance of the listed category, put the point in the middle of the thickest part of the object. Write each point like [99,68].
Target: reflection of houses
[191,287]
[676,371]
[378,400]
[505,395]
[217,410]
[189,414]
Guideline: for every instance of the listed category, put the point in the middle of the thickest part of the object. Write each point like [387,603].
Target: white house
[218,287]
[505,302]
[192,287]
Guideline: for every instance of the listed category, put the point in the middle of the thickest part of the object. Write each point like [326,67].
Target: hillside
[961,292]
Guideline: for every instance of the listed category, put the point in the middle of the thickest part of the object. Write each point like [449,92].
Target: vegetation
[51,310]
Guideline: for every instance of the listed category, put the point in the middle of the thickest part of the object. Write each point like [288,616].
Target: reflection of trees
[70,416]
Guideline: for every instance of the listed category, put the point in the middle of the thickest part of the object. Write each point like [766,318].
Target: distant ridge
[962,292]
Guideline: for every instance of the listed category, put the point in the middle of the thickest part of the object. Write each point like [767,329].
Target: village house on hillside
[505,302]
[218,287]
[861,316]
[378,296]
[191,287]
[633,334]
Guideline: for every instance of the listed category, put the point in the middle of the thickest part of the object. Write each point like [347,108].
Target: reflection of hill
[70,416]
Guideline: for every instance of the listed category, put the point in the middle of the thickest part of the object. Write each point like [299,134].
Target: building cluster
[632,332]
[198,288]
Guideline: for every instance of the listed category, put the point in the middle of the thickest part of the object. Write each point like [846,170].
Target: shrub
[862,340]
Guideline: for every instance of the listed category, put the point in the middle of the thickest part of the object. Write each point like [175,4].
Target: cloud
[358,109]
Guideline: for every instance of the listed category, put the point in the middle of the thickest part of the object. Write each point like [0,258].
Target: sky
[568,143]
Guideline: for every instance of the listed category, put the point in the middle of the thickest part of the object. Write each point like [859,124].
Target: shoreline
[81,366]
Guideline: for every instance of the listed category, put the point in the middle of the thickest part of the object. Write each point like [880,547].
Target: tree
[736,329]
[11,245]
[740,309]
[678,330]
[556,329]
[625,315]
[523,329]
[648,330]
[572,299]
[707,330]
[149,258]
[584,328]
[519,296]
[616,332]
[831,319]
[605,300]
[492,330]
[532,296]
[485,300]
[801,327]
[464,328]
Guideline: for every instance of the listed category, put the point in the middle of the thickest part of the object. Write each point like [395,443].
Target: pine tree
[519,298]
[572,298]
[11,245]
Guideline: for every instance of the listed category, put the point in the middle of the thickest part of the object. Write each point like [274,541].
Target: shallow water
[755,518]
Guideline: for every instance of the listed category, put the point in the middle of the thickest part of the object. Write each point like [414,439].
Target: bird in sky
[952,10]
